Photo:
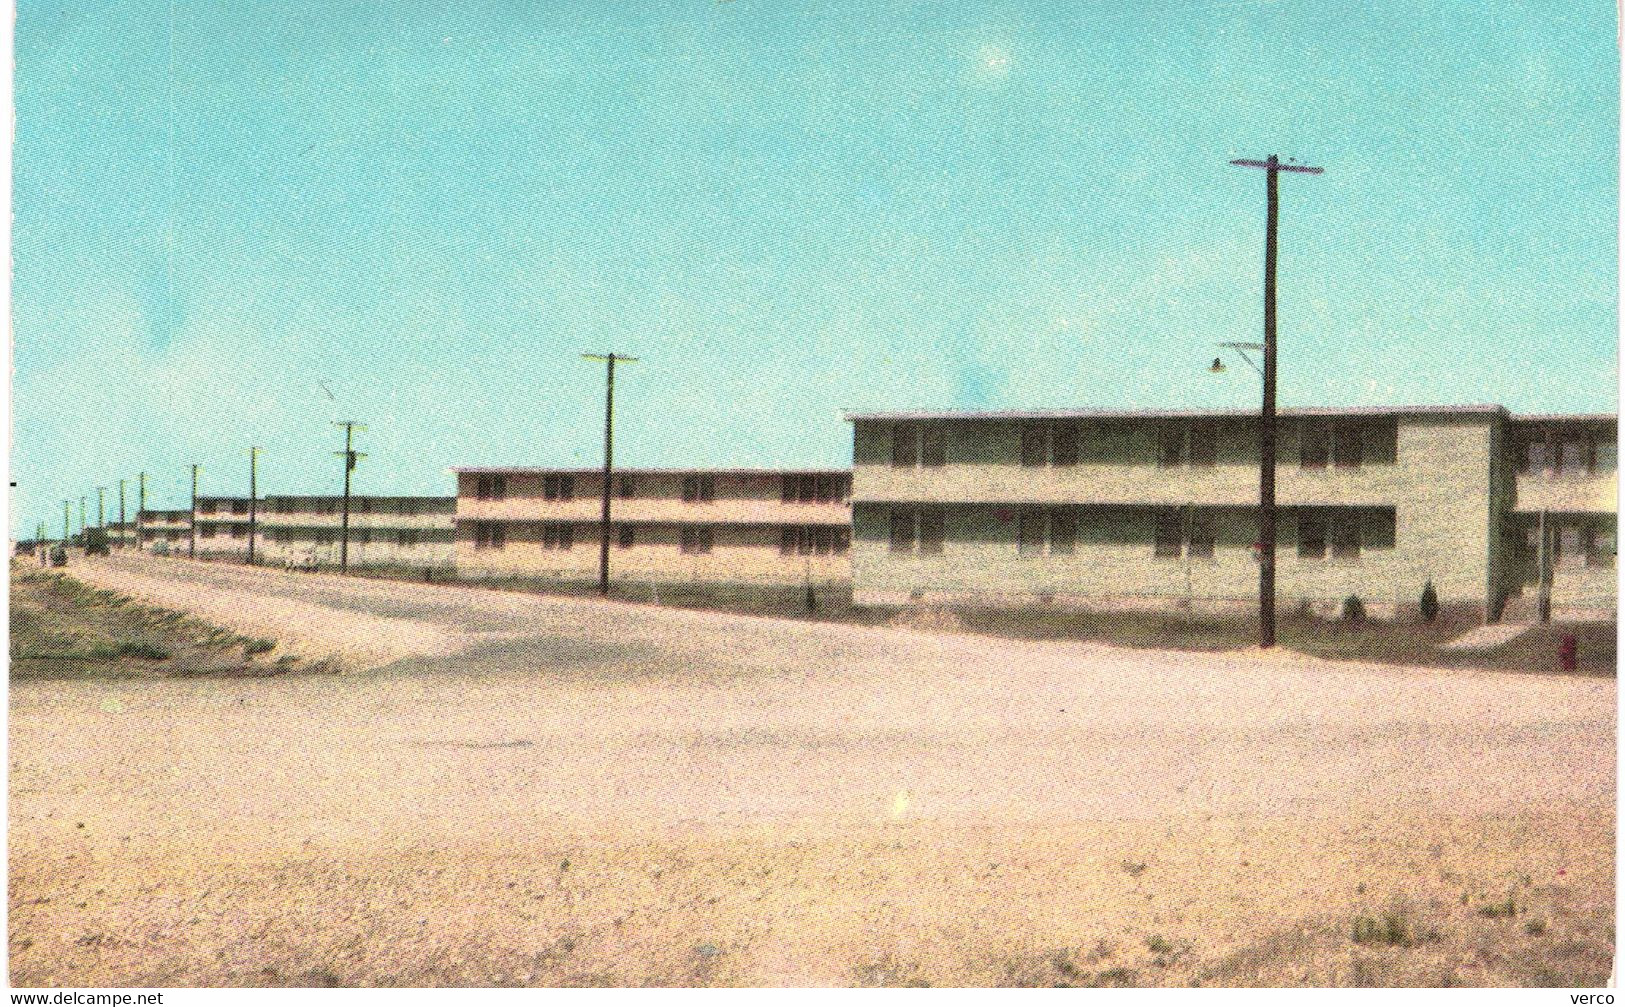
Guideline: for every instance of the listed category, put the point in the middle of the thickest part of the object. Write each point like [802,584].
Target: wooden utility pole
[67,506]
[609,459]
[350,456]
[253,496]
[1266,430]
[191,525]
[140,506]
[123,522]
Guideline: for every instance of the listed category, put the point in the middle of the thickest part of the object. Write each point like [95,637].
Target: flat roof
[599,470]
[1083,414]
[1565,418]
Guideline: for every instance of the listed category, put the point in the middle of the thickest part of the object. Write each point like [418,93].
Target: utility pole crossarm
[1273,165]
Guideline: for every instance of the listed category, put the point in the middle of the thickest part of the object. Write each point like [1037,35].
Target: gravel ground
[531,790]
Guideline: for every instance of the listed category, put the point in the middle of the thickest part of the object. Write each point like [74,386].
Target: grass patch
[1505,909]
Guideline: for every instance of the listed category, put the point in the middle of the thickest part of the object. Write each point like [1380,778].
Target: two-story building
[384,531]
[767,526]
[171,527]
[1104,508]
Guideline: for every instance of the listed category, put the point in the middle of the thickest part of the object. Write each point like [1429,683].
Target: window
[239,531]
[789,541]
[205,507]
[699,489]
[239,506]
[932,532]
[328,507]
[1034,446]
[406,536]
[491,487]
[933,445]
[807,488]
[904,446]
[902,531]
[1568,551]
[363,505]
[1348,452]
[282,505]
[282,535]
[324,538]
[559,487]
[207,531]
[827,488]
[361,536]
[1314,439]
[1065,445]
[842,541]
[1601,545]
[1030,536]
[1573,456]
[408,508]
[1346,535]
[1203,534]
[558,536]
[488,535]
[628,487]
[1204,448]
[626,537]
[695,540]
[1063,533]
[823,540]
[1604,455]
[1535,459]
[1311,535]
[1170,532]
[1171,446]
[804,542]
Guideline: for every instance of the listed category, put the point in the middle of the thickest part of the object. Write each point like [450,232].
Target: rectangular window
[1312,448]
[406,536]
[1063,533]
[823,540]
[843,540]
[1533,460]
[902,531]
[826,489]
[804,543]
[904,446]
[326,538]
[408,508]
[1030,537]
[1346,535]
[931,532]
[486,536]
[1034,446]
[1170,446]
[1348,451]
[1204,533]
[1574,457]
[1204,446]
[559,487]
[791,489]
[695,540]
[628,487]
[1065,446]
[206,507]
[789,540]
[363,505]
[361,536]
[239,531]
[1170,533]
[239,506]
[933,446]
[1569,551]
[628,536]
[1311,535]
[1604,455]
[558,536]
[207,531]
[1600,547]
[807,489]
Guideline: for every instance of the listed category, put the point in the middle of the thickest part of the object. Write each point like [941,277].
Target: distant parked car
[59,556]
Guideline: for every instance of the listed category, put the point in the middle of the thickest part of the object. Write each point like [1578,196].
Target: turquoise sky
[786,209]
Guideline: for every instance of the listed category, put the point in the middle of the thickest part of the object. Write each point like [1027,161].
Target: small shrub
[1499,910]
[1535,928]
[1133,868]
[145,651]
[1429,605]
[1390,929]
[1157,946]
[1353,609]
[258,646]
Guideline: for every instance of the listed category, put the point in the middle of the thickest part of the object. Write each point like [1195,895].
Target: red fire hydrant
[1568,652]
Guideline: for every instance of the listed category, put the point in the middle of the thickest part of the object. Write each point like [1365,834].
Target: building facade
[385,531]
[1091,508]
[171,527]
[765,526]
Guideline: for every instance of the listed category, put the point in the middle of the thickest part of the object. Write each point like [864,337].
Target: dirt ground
[557,791]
